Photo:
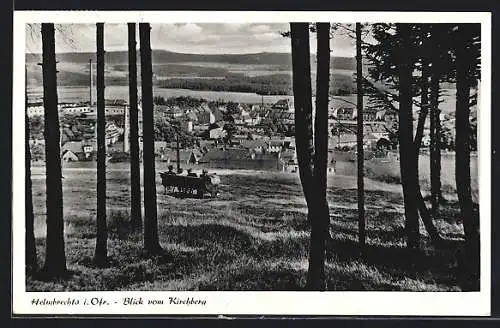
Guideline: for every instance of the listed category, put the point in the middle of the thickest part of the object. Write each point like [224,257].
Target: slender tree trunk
[320,222]
[101,249]
[435,126]
[55,256]
[30,251]
[361,155]
[424,106]
[424,109]
[135,180]
[151,238]
[303,107]
[462,160]
[408,163]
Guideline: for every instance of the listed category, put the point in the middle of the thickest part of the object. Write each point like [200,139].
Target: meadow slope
[254,236]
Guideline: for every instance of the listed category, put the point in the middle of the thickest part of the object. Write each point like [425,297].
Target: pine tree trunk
[101,249]
[408,162]
[30,251]
[151,238]
[55,256]
[135,180]
[360,130]
[462,160]
[424,107]
[435,126]
[425,215]
[320,220]
[303,106]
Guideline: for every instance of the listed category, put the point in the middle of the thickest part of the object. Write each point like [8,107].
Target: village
[196,132]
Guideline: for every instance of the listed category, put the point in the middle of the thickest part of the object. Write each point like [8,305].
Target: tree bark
[425,215]
[360,130]
[135,180]
[424,106]
[435,125]
[464,65]
[55,256]
[30,251]
[320,220]
[303,106]
[151,238]
[408,163]
[101,250]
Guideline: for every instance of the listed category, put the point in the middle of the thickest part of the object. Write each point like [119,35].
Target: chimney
[126,135]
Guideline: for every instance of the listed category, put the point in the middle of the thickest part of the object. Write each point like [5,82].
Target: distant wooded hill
[164,56]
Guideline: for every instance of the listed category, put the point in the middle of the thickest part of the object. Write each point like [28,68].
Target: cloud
[260,29]
[187,37]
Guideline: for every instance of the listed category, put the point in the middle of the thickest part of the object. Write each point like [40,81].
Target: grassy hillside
[253,237]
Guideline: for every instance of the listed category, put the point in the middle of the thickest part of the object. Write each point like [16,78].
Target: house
[288,161]
[35,109]
[192,116]
[216,115]
[288,156]
[238,119]
[370,140]
[253,120]
[344,140]
[275,145]
[390,116]
[345,113]
[283,104]
[369,114]
[69,156]
[204,117]
[187,125]
[185,156]
[77,151]
[217,133]
[258,145]
[113,133]
[206,144]
[225,155]
[237,158]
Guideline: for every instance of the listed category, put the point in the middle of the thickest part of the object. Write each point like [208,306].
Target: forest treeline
[206,79]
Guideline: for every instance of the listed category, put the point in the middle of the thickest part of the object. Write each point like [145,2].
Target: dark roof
[274,142]
[250,144]
[282,103]
[73,146]
[184,155]
[265,156]
[227,154]
[287,155]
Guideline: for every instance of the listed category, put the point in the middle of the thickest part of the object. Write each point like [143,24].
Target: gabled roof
[227,154]
[252,144]
[73,146]
[287,155]
[274,142]
[192,116]
[283,103]
[184,155]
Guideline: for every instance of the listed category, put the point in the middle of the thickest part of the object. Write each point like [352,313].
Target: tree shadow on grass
[440,266]
[199,235]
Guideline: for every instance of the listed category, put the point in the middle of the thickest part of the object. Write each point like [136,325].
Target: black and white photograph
[170,159]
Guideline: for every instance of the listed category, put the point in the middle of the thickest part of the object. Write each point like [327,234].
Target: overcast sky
[187,38]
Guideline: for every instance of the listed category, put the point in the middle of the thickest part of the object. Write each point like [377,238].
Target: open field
[253,237]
